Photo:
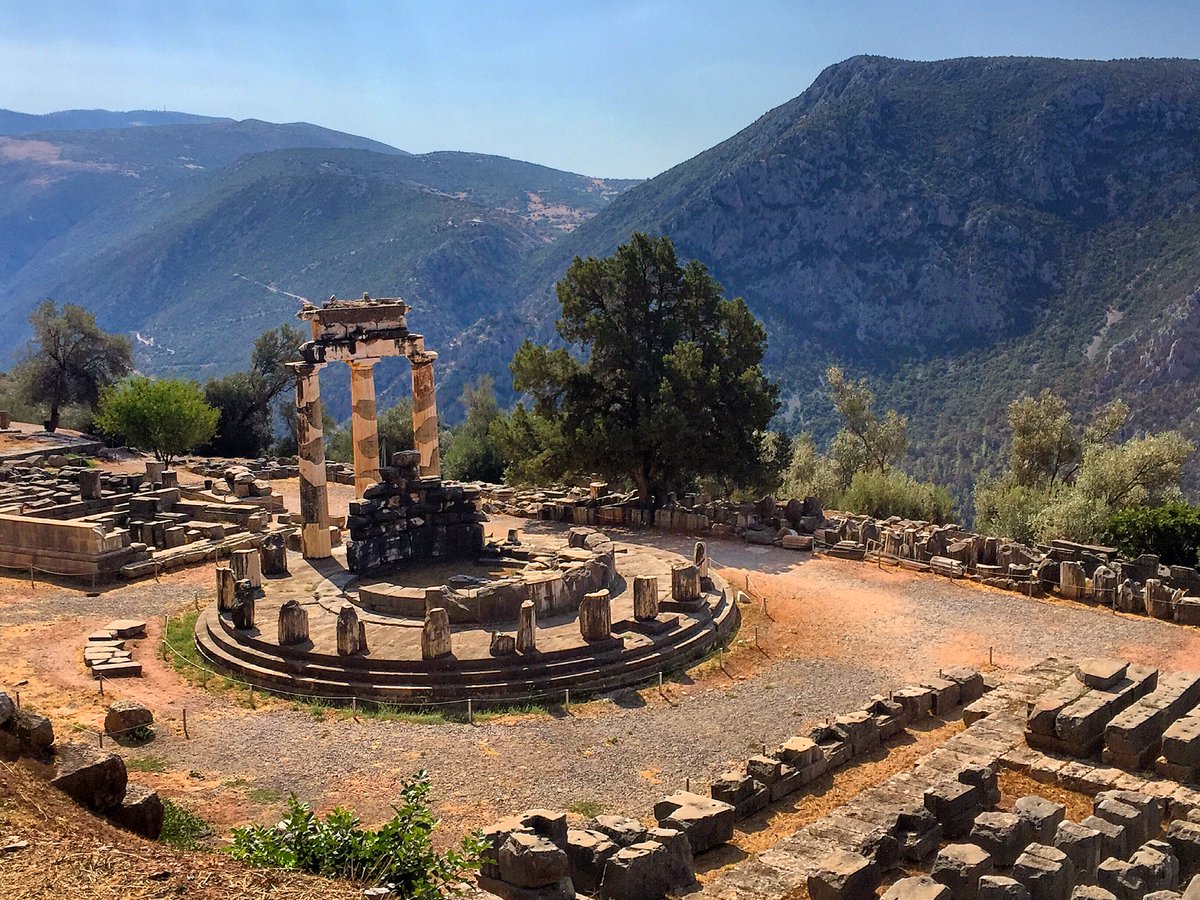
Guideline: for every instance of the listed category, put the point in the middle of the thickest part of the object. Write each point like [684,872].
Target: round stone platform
[392,670]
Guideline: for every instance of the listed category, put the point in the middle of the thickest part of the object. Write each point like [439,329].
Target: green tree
[866,441]
[69,359]
[1065,481]
[246,399]
[810,474]
[396,428]
[668,387]
[472,453]
[166,416]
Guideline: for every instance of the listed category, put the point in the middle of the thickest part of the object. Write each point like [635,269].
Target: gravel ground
[836,633]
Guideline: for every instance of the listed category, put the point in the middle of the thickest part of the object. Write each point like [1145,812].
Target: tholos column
[314,495]
[363,427]
[425,420]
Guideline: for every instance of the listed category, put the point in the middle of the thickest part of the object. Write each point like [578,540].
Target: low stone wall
[62,547]
[1075,571]
[555,580]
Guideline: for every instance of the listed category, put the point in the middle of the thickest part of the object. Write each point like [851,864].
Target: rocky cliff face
[957,230]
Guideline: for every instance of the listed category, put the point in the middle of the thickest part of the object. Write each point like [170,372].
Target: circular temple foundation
[528,622]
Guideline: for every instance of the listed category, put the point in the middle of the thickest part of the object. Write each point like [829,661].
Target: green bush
[182,828]
[1170,531]
[884,494]
[399,853]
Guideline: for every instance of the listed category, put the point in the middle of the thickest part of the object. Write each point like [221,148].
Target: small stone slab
[922,887]
[127,628]
[128,669]
[102,635]
[1102,672]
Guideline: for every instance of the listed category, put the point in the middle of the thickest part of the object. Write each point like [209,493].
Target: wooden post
[186,736]
[101,685]
[354,707]
[470,713]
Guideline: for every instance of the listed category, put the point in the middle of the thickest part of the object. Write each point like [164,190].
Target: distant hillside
[12,122]
[190,238]
[962,231]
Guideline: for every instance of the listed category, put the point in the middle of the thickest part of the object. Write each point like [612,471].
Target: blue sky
[608,88]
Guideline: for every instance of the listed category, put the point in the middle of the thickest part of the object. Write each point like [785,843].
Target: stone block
[954,804]
[1130,818]
[645,597]
[959,867]
[595,616]
[124,716]
[983,778]
[916,702]
[681,863]
[1003,835]
[435,634]
[1047,873]
[530,860]
[888,715]
[141,811]
[920,887]
[844,876]
[621,830]
[742,792]
[970,683]
[834,746]
[1184,838]
[860,730]
[945,695]
[1092,892]
[1118,878]
[587,854]
[1153,807]
[293,623]
[707,823]
[1155,865]
[1181,742]
[1114,840]
[33,733]
[640,870]
[1082,845]
[1042,814]
[89,776]
[1001,887]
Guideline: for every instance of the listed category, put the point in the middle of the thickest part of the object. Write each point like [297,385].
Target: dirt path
[832,634]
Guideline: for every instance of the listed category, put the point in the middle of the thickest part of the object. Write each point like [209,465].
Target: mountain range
[962,232]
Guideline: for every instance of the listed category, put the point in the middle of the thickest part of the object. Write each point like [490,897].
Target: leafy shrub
[1009,510]
[182,828]
[399,853]
[1170,531]
[884,494]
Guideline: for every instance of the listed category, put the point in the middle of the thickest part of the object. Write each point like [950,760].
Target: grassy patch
[147,763]
[182,828]
[586,808]
[186,659]
[264,795]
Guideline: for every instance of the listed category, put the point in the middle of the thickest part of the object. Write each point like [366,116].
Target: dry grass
[1014,785]
[72,853]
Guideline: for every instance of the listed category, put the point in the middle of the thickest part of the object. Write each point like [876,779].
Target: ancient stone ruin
[358,333]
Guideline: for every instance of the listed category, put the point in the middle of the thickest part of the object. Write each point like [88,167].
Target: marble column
[425,419]
[314,495]
[363,427]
